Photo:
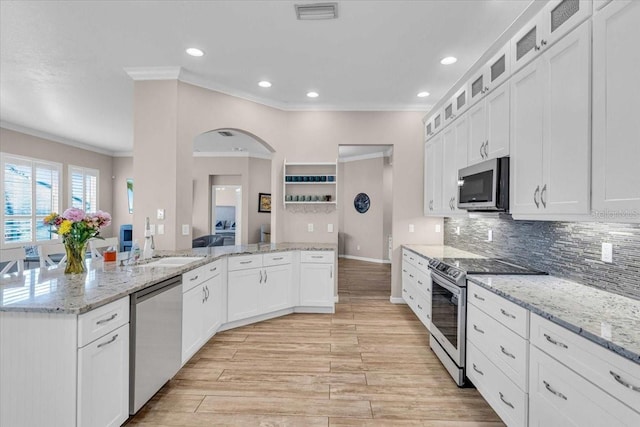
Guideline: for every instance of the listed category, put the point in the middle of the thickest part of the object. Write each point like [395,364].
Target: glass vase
[76,253]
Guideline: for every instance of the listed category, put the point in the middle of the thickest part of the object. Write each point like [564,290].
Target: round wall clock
[362,202]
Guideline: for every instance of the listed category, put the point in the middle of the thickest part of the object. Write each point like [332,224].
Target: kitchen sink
[173,261]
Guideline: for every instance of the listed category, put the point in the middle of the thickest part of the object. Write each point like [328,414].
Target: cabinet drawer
[423,282]
[508,350]
[277,258]
[409,272]
[509,402]
[243,262]
[410,257]
[509,314]
[317,256]
[600,366]
[422,265]
[102,320]
[199,275]
[560,397]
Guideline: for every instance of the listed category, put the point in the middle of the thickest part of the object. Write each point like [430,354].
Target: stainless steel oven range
[449,306]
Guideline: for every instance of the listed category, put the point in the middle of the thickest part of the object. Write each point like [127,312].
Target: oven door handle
[450,287]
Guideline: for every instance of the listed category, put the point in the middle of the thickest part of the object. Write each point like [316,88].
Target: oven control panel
[450,272]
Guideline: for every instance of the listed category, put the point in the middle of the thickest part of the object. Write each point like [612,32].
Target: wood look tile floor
[369,364]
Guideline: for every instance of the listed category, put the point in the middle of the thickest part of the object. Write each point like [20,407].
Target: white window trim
[85,171]
[34,241]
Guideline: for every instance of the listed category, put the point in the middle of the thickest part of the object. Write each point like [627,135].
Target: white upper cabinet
[616,107]
[556,19]
[489,77]
[433,176]
[489,127]
[550,121]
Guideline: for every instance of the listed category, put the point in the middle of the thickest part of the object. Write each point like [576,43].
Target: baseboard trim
[396,300]
[360,258]
[336,298]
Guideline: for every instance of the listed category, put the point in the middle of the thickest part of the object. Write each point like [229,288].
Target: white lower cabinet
[316,285]
[275,293]
[103,380]
[560,397]
[242,294]
[416,286]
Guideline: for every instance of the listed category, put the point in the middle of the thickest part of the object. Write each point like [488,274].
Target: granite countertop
[439,251]
[51,291]
[605,318]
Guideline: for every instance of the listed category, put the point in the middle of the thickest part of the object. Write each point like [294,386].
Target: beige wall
[387,213]
[122,170]
[226,196]
[259,182]
[363,233]
[298,136]
[21,144]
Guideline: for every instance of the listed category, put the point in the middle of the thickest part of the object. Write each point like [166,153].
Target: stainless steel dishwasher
[155,339]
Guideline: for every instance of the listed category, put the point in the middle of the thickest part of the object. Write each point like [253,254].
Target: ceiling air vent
[225,133]
[315,11]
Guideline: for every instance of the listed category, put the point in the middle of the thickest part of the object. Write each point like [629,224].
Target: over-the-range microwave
[485,186]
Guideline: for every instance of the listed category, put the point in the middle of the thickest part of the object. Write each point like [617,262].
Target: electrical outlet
[490,236]
[310,228]
[358,248]
[607,252]
[329,228]
[160,214]
[457,231]
[185,229]
[412,228]
[437,228]
[160,228]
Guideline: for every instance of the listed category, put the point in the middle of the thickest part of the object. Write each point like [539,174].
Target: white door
[433,176]
[192,302]
[449,170]
[275,291]
[616,103]
[462,146]
[316,285]
[103,380]
[212,307]
[477,133]
[567,148]
[526,138]
[497,122]
[242,294]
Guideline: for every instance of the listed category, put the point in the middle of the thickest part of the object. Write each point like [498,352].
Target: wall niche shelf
[311,185]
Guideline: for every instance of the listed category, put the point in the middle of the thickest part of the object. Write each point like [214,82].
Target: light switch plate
[185,229]
[329,228]
[438,228]
[310,227]
[607,252]
[160,228]
[412,228]
[160,214]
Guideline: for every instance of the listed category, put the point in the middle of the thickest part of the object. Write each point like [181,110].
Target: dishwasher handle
[156,289]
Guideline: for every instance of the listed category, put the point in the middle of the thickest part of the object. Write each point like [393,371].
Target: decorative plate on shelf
[362,202]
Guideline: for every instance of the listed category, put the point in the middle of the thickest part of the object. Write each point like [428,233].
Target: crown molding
[153,73]
[54,138]
[122,154]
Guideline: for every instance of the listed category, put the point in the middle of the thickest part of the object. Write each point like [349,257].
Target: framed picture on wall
[264,202]
[130,194]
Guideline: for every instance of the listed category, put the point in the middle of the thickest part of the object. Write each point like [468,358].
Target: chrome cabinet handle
[404,271]
[208,293]
[537,48]
[404,290]
[623,382]
[113,316]
[551,390]
[477,329]
[113,338]
[542,193]
[475,368]
[419,307]
[260,276]
[317,256]
[265,276]
[331,272]
[194,278]
[552,341]
[410,296]
[428,317]
[502,310]
[478,297]
[411,275]
[535,196]
[481,154]
[213,269]
[505,401]
[420,283]
[486,149]
[204,295]
[246,262]
[280,257]
[504,351]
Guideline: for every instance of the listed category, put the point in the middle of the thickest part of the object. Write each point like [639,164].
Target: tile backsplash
[571,250]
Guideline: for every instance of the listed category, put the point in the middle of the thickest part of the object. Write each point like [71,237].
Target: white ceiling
[62,62]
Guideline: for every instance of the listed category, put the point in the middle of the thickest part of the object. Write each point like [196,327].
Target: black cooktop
[487,266]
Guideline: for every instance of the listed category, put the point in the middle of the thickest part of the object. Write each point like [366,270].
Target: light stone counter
[439,251]
[610,320]
[52,291]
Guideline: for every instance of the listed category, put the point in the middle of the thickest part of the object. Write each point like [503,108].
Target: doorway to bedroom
[226,213]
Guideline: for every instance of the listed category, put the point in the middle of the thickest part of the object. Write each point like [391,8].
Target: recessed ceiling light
[423,94]
[264,83]
[193,51]
[317,11]
[312,94]
[448,60]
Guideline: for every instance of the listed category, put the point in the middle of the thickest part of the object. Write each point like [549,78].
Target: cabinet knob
[543,42]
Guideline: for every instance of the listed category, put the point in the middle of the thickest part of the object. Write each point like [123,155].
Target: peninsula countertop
[51,291]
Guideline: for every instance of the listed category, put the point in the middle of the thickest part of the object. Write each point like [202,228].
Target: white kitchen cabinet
[560,397]
[103,380]
[550,119]
[201,307]
[243,299]
[556,19]
[433,175]
[491,75]
[275,292]
[455,143]
[317,280]
[616,102]
[489,126]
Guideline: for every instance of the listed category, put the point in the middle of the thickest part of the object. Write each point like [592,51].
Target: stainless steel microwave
[485,186]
